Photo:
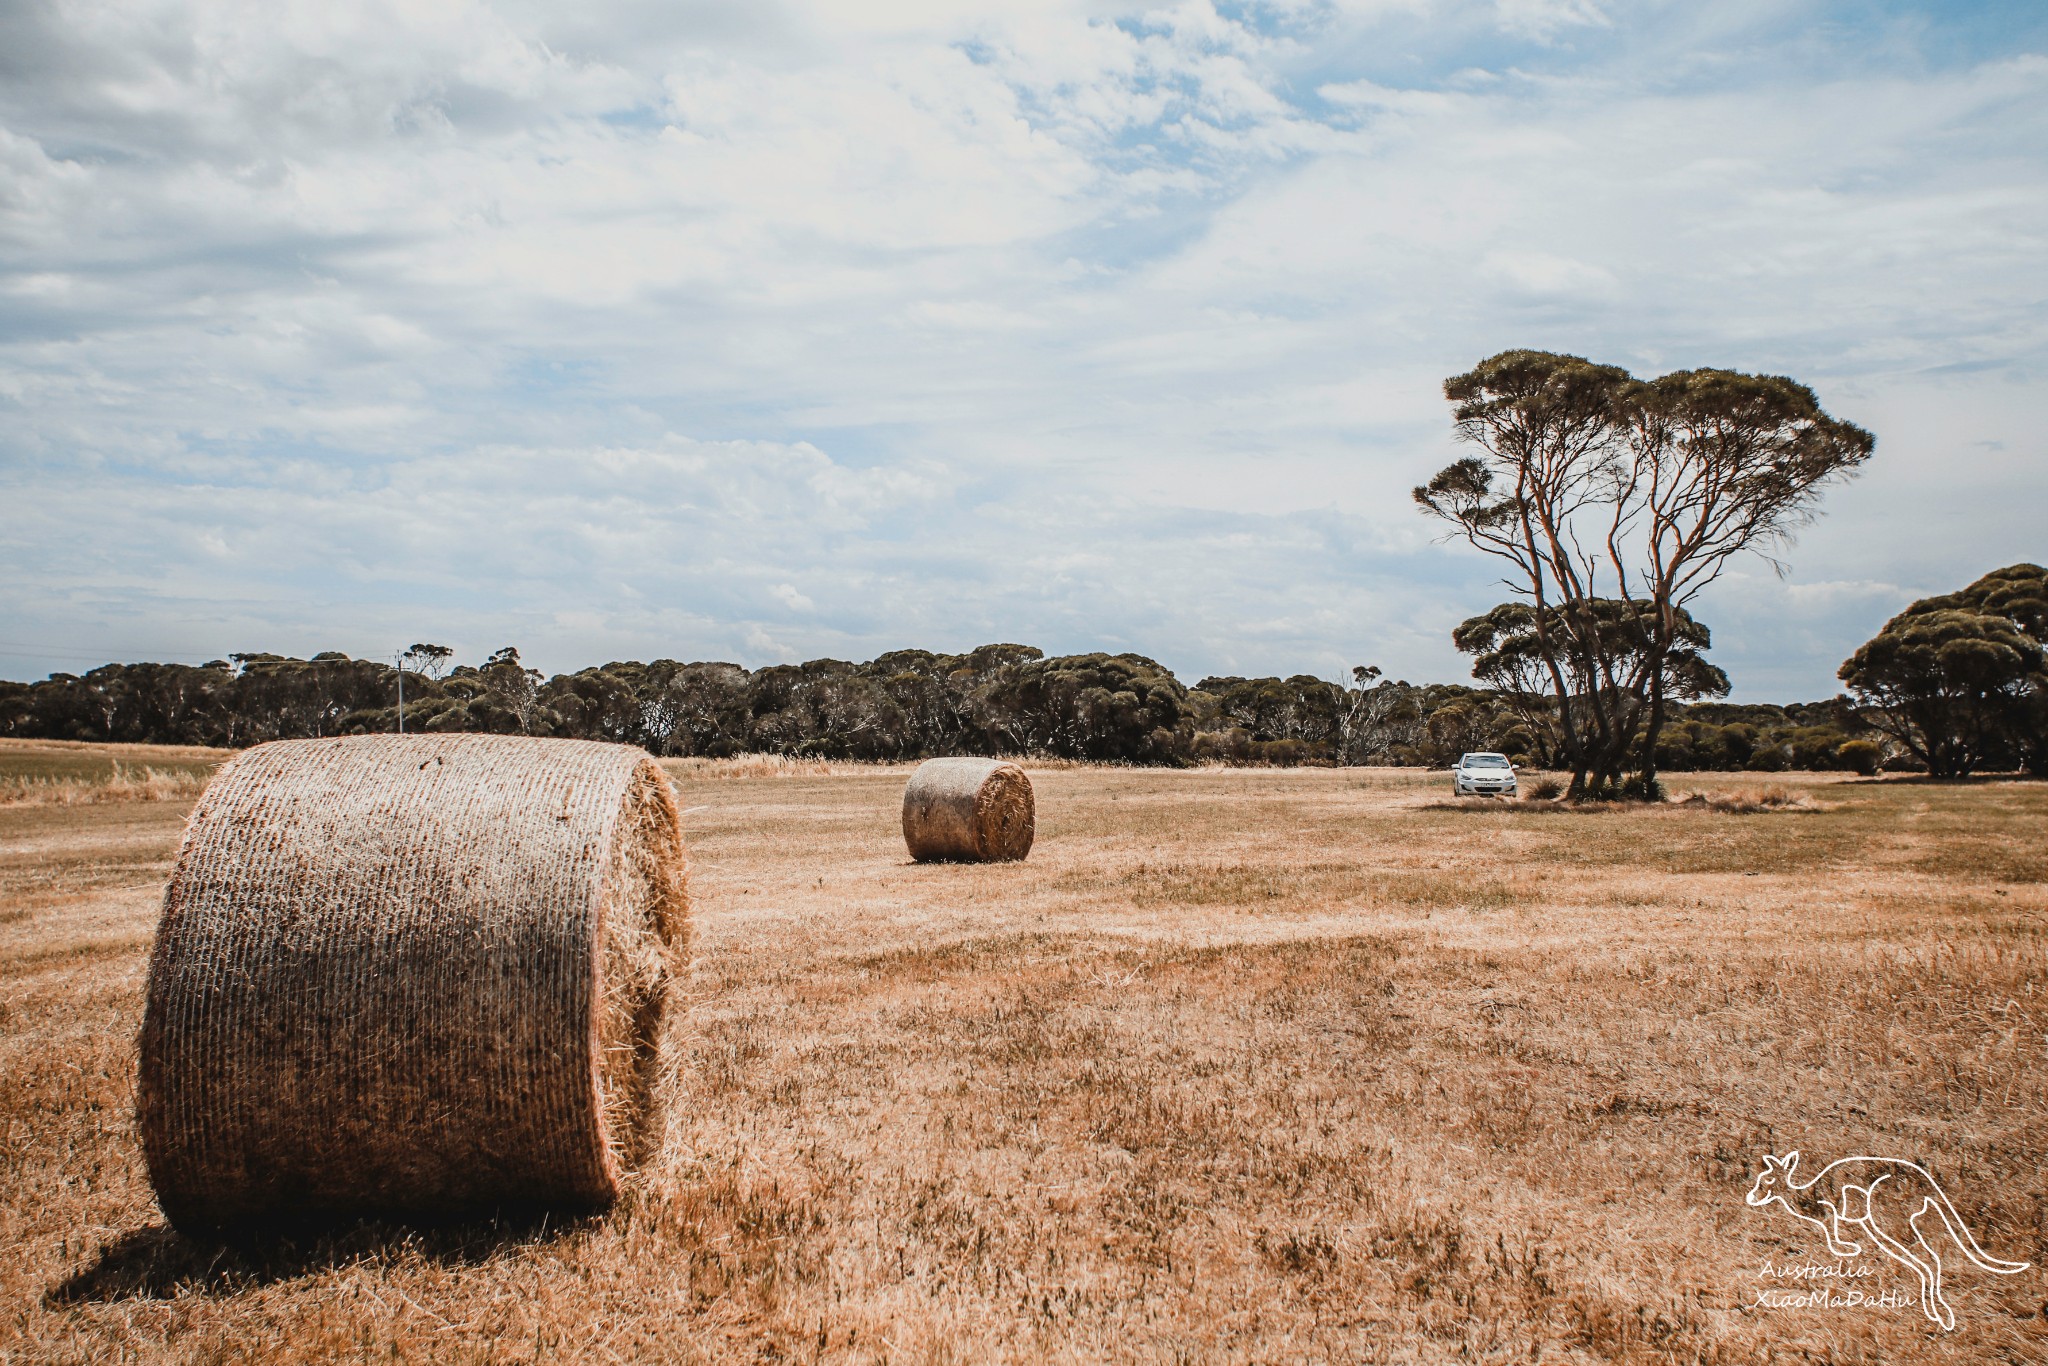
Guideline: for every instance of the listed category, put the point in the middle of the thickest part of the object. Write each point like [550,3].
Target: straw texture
[968,810]
[419,974]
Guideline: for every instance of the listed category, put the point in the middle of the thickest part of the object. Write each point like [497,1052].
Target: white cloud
[786,594]
[1544,19]
[1541,275]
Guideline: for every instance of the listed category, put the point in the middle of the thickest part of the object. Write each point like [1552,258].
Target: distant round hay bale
[413,974]
[971,810]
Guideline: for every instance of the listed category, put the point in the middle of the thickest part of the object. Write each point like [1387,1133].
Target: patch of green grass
[1987,859]
[1175,882]
[52,763]
[1446,889]
[1698,839]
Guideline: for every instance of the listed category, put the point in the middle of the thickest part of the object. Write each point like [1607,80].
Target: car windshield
[1485,761]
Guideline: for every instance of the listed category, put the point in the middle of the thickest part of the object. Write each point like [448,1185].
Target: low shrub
[1751,800]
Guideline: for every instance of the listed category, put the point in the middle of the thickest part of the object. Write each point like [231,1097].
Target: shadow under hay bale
[969,811]
[160,1263]
[425,974]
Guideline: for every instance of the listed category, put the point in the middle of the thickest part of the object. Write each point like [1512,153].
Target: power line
[26,650]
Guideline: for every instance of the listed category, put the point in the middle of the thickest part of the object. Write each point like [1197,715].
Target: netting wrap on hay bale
[972,810]
[418,973]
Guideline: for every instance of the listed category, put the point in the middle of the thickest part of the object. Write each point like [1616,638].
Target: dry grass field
[1241,1065]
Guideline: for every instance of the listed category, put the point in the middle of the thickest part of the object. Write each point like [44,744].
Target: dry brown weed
[122,784]
[1750,800]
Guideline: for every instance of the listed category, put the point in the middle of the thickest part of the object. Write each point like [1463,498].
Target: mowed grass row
[69,773]
[1277,1065]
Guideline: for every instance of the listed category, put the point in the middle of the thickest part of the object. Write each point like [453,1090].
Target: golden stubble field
[1241,1065]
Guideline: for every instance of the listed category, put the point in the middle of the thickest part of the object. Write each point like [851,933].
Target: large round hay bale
[971,810]
[413,974]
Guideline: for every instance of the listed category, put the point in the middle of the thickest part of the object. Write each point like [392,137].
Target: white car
[1483,775]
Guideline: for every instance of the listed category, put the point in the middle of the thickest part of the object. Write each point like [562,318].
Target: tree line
[906,704]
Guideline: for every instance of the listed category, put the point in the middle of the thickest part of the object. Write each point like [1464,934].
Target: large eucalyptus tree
[1595,487]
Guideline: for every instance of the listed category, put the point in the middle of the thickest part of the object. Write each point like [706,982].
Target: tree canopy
[1960,681]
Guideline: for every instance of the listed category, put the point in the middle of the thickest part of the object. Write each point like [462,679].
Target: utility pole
[399,660]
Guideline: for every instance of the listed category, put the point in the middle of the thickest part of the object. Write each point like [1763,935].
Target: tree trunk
[1652,728]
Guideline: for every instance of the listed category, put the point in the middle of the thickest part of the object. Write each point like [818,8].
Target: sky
[773,331]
